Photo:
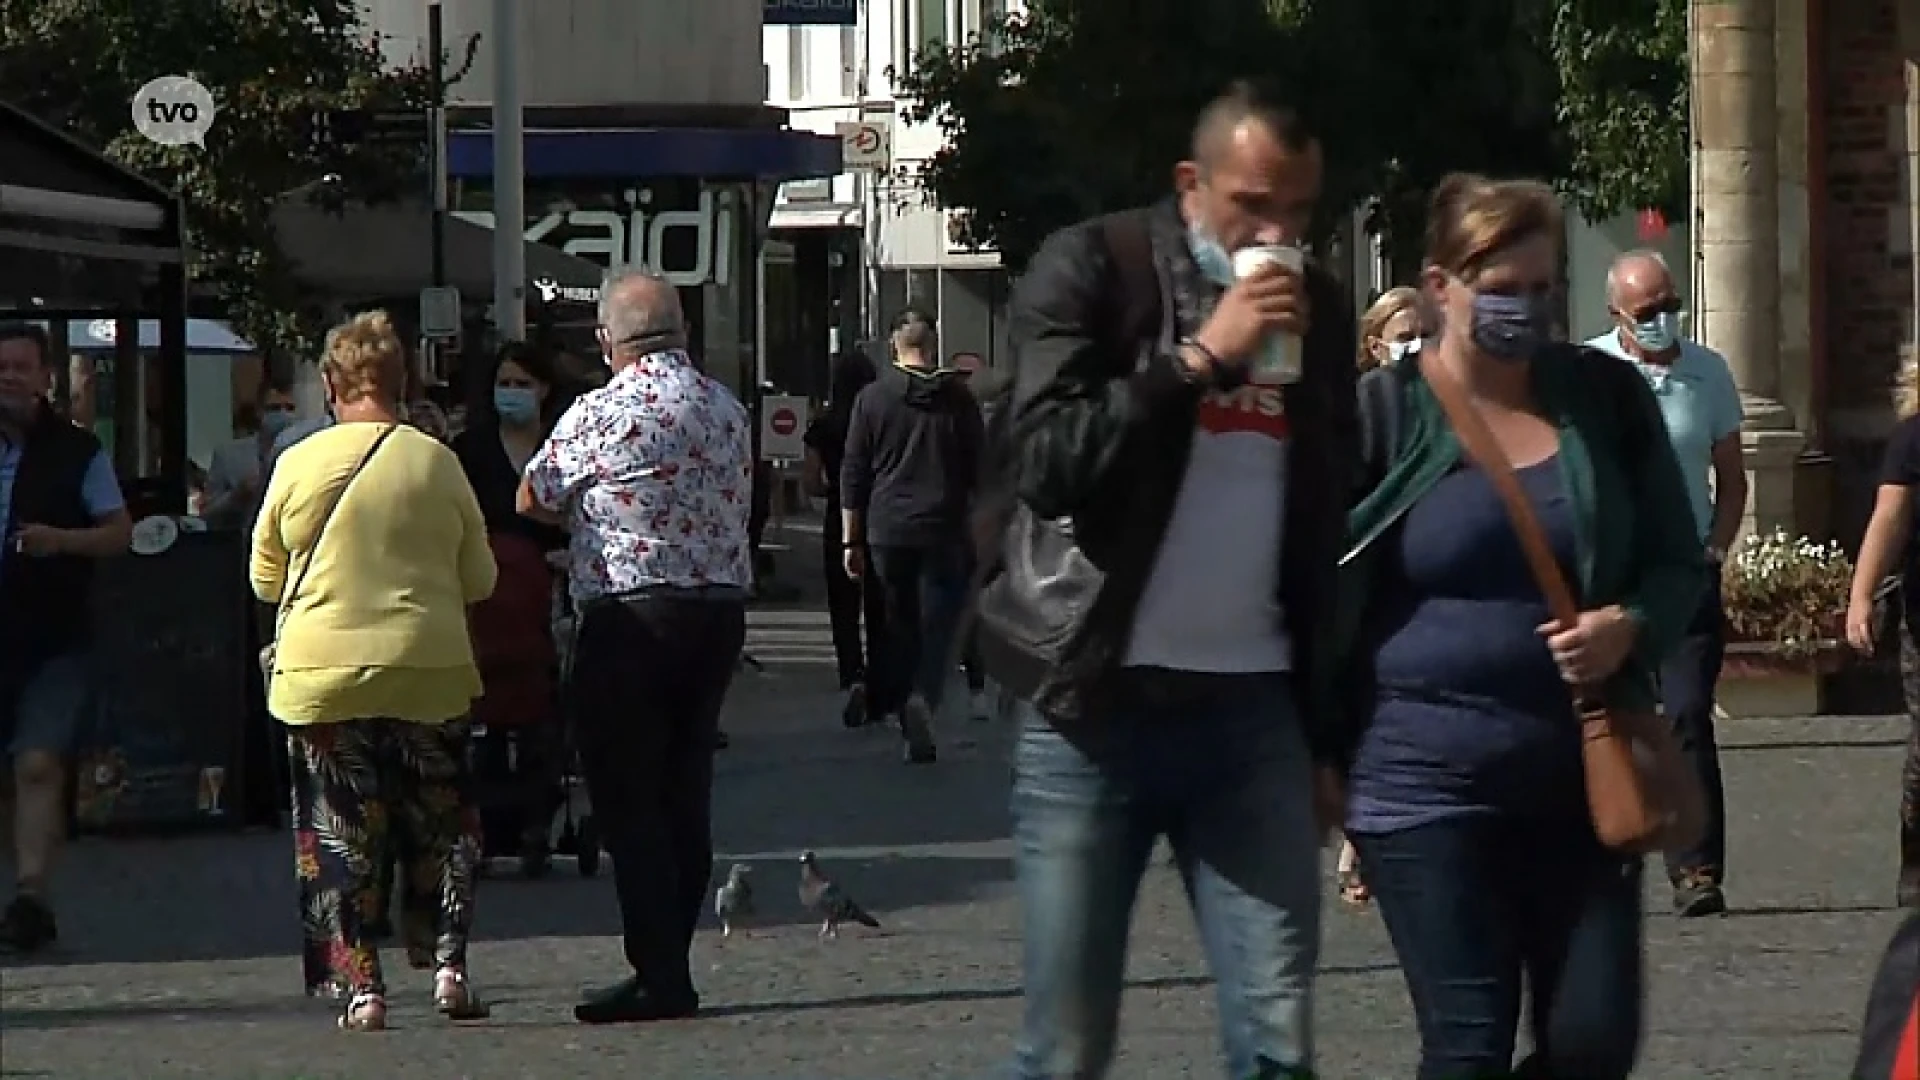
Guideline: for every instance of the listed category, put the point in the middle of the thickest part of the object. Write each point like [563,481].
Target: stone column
[1737,215]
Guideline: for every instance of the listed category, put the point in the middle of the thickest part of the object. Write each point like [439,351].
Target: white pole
[760,316]
[509,178]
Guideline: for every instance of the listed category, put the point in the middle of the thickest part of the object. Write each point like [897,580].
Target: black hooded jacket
[912,457]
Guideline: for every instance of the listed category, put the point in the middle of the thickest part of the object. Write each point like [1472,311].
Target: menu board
[170,703]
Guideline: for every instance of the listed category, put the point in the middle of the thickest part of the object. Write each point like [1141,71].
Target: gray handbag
[270,651]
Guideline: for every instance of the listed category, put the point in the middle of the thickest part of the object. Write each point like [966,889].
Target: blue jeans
[1218,765]
[1477,907]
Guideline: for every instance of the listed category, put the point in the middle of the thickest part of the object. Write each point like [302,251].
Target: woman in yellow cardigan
[371,543]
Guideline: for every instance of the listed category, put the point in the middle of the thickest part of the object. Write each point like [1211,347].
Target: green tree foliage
[1081,107]
[270,65]
[1077,109]
[1624,102]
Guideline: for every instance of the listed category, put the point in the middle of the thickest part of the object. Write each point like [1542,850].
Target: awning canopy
[83,237]
[383,251]
[773,154]
[81,233]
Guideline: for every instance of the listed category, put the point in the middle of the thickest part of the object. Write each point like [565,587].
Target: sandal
[1353,889]
[454,999]
[364,1012]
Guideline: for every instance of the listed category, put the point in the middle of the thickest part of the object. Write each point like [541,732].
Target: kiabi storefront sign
[689,247]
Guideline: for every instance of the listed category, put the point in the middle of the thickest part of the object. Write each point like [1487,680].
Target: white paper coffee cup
[1279,359]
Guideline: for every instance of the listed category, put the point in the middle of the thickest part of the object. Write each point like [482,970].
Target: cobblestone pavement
[178,957]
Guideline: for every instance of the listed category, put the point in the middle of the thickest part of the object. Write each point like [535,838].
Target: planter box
[1758,680]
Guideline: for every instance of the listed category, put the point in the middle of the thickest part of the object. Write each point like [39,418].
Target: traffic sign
[866,146]
[440,311]
[783,420]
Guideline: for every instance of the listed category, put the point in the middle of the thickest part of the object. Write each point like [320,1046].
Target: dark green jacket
[1634,526]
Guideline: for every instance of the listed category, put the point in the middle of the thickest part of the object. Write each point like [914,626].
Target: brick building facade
[1864,214]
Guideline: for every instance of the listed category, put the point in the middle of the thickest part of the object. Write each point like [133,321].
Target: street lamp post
[436,51]
[509,180]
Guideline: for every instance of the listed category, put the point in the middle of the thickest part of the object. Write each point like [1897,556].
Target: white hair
[625,320]
[1637,255]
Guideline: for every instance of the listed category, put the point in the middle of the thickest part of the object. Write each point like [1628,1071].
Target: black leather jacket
[1098,438]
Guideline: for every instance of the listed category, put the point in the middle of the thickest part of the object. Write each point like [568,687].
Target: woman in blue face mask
[517,759]
[1466,796]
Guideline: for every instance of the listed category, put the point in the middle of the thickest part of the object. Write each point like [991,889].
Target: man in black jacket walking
[906,486]
[1180,502]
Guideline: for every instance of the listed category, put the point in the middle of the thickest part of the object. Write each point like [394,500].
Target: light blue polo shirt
[1701,406]
[99,490]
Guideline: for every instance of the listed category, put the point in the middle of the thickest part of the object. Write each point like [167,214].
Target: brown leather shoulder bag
[1640,793]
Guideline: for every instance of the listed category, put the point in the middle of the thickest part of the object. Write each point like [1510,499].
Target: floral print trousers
[371,797]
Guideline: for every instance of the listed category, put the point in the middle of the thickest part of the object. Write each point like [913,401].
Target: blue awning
[638,153]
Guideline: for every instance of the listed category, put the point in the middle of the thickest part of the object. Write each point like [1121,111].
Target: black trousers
[849,604]
[650,674]
[265,778]
[923,592]
[1687,680]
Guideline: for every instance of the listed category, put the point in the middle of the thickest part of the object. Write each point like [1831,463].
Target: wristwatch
[1191,374]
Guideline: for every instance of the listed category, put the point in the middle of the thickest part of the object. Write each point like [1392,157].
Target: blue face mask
[1214,260]
[273,422]
[516,404]
[1658,334]
[1511,328]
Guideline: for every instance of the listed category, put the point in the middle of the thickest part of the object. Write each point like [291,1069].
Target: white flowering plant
[1786,591]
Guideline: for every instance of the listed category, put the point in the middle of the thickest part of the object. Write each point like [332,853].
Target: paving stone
[179,954]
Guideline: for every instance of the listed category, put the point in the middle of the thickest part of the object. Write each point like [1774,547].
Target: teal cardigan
[1634,528]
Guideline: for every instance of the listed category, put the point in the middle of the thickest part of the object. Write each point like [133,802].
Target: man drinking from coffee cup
[1195,450]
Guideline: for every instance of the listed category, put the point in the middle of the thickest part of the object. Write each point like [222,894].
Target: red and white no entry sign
[782,418]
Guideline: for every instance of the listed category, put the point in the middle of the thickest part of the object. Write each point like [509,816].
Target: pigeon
[734,900]
[821,896]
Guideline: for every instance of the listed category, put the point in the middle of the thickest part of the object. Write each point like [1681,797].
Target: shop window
[797,63]
[930,30]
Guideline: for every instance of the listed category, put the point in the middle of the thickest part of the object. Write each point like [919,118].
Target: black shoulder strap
[1137,301]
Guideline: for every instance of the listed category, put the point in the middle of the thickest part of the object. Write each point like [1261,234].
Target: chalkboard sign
[170,705]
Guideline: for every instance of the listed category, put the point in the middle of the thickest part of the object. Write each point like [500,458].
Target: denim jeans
[1477,907]
[1218,765]
[923,592]
[1687,679]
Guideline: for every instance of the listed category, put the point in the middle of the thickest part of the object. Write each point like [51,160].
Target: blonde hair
[1906,395]
[1373,324]
[1471,219]
[364,358]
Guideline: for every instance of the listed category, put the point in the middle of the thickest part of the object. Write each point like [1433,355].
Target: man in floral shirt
[651,474]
